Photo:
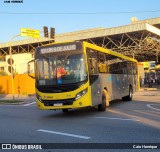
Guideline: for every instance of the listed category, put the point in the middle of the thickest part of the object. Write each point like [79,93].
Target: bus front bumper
[71,103]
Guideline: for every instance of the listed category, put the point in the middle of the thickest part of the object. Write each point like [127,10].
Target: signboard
[145,64]
[30,32]
[157,67]
[148,65]
[141,70]
[58,48]
[152,64]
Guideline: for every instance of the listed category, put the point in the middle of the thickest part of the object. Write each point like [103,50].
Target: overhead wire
[81,13]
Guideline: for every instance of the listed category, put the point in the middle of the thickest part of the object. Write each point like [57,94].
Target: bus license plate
[58,104]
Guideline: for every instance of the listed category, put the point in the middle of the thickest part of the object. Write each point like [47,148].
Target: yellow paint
[145,64]
[84,100]
[23,84]
[102,67]
[30,32]
[86,44]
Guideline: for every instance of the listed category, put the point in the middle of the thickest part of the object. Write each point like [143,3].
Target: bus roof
[86,44]
[56,43]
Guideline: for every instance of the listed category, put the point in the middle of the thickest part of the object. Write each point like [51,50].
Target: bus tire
[65,110]
[129,97]
[102,106]
[105,102]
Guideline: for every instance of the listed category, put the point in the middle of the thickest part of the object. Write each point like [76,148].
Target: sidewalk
[153,88]
[146,91]
[16,96]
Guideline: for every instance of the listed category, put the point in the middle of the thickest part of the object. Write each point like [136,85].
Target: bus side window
[135,69]
[114,64]
[102,63]
[125,67]
[93,66]
[92,62]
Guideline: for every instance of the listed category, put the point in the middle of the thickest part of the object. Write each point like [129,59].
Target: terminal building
[139,40]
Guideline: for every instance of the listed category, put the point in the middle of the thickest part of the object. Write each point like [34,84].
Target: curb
[18,103]
[149,89]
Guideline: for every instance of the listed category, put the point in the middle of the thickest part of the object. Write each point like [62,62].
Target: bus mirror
[30,74]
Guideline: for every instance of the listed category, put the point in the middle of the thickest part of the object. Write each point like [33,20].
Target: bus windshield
[60,69]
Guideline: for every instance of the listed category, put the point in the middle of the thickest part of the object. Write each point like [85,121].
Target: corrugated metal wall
[23,85]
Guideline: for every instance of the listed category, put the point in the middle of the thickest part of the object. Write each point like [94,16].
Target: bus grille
[62,101]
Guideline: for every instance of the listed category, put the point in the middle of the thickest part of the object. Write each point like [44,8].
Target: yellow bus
[79,74]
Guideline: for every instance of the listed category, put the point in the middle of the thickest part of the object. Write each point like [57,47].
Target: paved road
[137,121]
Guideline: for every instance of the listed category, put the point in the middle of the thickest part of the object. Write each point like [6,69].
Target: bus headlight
[82,93]
[39,97]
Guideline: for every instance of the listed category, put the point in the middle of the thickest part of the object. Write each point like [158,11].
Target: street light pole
[11,63]
[24,32]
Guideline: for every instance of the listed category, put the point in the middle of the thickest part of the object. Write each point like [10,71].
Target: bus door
[94,77]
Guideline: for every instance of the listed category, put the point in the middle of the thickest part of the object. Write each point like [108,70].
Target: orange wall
[23,84]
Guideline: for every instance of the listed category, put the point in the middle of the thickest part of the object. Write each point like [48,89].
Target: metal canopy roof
[131,40]
[100,32]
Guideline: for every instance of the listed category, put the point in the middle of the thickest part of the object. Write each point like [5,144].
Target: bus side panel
[96,92]
[111,82]
[116,84]
[129,80]
[135,82]
[125,81]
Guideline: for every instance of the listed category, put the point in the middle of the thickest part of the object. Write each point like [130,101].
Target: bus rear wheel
[129,97]
[102,106]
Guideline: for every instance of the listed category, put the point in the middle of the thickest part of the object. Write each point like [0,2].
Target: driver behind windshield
[60,71]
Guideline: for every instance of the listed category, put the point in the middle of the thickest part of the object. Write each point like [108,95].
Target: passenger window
[102,63]
[92,61]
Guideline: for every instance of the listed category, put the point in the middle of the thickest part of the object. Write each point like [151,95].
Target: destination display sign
[58,48]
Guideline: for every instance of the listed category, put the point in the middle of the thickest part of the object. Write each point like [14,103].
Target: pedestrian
[158,79]
[150,81]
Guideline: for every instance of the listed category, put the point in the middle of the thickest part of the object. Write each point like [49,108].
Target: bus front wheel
[65,110]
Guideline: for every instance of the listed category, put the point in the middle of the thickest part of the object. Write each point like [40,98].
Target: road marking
[150,106]
[64,134]
[28,104]
[117,119]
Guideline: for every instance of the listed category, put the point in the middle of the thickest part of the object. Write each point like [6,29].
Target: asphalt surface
[136,121]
